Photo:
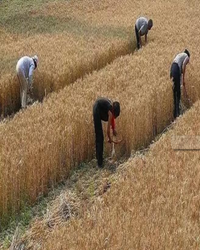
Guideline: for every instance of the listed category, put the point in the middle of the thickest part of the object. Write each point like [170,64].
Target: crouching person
[25,67]
[142,26]
[104,110]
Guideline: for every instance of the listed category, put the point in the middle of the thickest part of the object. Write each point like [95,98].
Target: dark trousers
[98,134]
[137,37]
[175,74]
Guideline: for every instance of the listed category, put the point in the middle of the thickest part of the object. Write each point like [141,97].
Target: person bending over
[25,67]
[104,110]
[142,26]
[177,72]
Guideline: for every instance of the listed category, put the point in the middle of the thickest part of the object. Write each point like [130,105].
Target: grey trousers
[23,88]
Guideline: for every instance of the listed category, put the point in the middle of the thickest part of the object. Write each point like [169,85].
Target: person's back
[142,25]
[25,64]
[179,59]
[104,105]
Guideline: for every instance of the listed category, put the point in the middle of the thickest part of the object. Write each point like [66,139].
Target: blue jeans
[137,37]
[175,74]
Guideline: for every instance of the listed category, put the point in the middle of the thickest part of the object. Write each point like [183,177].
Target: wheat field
[68,48]
[154,204]
[41,145]
[59,133]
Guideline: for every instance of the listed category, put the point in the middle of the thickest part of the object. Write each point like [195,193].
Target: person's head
[116,109]
[150,24]
[187,52]
[35,60]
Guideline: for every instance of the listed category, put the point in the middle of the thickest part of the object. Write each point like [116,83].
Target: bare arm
[140,39]
[184,69]
[184,76]
[108,127]
[30,76]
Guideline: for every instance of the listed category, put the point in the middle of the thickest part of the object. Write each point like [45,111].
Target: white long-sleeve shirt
[26,66]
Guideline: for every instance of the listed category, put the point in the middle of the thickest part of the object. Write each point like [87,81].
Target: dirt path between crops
[86,184]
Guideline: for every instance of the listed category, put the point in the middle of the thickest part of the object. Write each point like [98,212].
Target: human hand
[117,142]
[30,91]
[109,140]
[114,132]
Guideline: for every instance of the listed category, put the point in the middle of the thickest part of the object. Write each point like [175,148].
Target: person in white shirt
[25,67]
[177,72]
[142,26]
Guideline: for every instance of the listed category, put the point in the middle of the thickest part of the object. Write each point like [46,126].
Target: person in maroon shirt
[104,110]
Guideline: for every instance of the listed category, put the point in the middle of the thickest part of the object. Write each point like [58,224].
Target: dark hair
[116,109]
[187,52]
[150,23]
[35,63]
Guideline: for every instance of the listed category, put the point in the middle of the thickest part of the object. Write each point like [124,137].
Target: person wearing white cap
[25,67]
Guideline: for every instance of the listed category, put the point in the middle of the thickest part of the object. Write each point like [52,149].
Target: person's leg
[178,93]
[20,89]
[24,95]
[23,89]
[177,79]
[99,136]
[175,102]
[175,75]
[137,38]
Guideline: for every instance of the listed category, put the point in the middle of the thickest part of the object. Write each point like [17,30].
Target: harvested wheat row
[154,204]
